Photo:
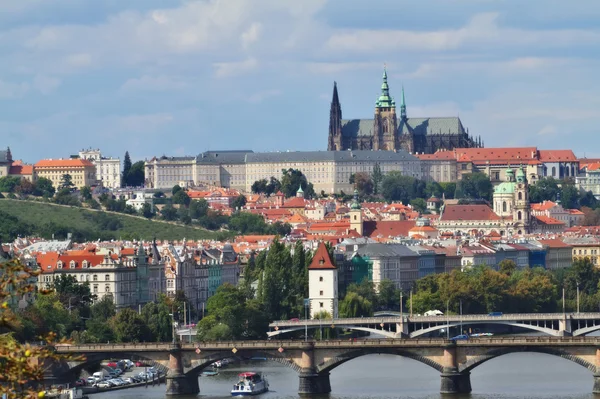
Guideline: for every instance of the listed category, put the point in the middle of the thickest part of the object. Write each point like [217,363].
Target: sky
[182,77]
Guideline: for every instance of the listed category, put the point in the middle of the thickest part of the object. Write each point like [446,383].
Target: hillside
[21,218]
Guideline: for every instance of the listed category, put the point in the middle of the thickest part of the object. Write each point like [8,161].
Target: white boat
[250,384]
[66,393]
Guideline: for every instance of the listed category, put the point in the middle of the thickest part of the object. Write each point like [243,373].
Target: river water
[518,375]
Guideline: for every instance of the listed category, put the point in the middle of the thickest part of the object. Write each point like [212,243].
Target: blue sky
[179,78]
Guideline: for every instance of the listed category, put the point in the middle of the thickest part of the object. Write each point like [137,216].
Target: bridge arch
[340,359]
[428,330]
[387,334]
[585,330]
[198,365]
[492,354]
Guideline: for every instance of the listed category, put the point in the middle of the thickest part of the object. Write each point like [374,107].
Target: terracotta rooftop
[321,259]
[63,163]
[388,228]
[468,212]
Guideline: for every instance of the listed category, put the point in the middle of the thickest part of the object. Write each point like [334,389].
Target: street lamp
[306,303]
[448,319]
[173,325]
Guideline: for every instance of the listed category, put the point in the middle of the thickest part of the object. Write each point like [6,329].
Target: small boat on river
[250,384]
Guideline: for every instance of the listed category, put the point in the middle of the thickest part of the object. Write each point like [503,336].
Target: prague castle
[391,132]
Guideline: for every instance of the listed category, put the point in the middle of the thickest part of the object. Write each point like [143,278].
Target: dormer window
[321,262]
[85,264]
[72,264]
[59,265]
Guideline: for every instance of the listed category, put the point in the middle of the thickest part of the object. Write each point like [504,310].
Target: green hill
[23,218]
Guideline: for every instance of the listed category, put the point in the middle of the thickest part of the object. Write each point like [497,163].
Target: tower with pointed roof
[322,283]
[142,275]
[522,208]
[385,121]
[356,219]
[335,122]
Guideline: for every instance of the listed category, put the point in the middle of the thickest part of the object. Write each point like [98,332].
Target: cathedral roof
[324,156]
[417,126]
[468,212]
[507,187]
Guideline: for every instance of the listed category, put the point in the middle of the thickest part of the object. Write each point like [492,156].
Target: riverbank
[93,390]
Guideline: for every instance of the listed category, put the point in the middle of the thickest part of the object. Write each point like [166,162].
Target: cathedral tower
[335,122]
[385,121]
[356,219]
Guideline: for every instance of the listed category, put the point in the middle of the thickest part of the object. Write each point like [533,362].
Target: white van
[99,375]
[433,313]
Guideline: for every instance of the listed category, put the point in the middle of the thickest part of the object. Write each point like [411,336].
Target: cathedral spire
[403,106]
[335,100]
[335,122]
[385,101]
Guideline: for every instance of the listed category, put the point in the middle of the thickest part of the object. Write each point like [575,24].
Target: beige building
[82,171]
[108,170]
[166,172]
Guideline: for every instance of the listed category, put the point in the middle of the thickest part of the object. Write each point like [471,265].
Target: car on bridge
[461,337]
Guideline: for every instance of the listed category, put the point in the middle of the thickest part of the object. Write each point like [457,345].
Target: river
[518,375]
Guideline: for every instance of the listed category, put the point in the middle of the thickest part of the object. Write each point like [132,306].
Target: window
[519,215]
[554,171]
[504,206]
[96,288]
[321,293]
[107,288]
[320,304]
[107,277]
[496,176]
[95,277]
[59,265]
[520,196]
[321,278]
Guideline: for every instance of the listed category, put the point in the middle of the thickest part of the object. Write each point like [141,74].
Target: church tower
[356,220]
[335,122]
[522,209]
[385,121]
[405,137]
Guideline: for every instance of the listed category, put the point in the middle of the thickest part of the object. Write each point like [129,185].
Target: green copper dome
[385,101]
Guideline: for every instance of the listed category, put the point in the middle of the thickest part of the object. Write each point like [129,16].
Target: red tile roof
[557,156]
[388,228]
[321,259]
[543,206]
[468,212]
[554,243]
[63,163]
[21,170]
[548,220]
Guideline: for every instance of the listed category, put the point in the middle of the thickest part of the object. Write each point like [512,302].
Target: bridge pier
[177,382]
[456,382]
[311,381]
[314,383]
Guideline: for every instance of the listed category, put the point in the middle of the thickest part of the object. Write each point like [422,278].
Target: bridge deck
[436,319]
[290,344]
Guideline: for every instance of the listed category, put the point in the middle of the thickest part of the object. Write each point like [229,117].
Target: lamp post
[461,326]
[578,297]
[174,332]
[447,319]
[306,302]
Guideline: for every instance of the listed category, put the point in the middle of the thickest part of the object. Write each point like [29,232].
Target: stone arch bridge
[314,361]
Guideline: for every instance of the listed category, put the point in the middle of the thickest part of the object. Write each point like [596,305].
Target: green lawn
[47,219]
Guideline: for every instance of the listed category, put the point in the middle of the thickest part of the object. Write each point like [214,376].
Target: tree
[43,187]
[239,202]
[448,190]
[9,183]
[569,196]
[366,290]
[66,182]
[126,169]
[25,187]
[545,189]
[355,305]
[71,293]
[64,197]
[292,180]
[474,186]
[507,267]
[276,290]
[181,198]
[168,212]
[85,193]
[419,204]
[198,208]
[128,326]
[377,178]
[389,295]
[19,375]
[363,183]
[147,211]
[432,189]
[100,313]
[396,187]
[259,186]
[157,317]
[137,174]
[176,188]
[591,217]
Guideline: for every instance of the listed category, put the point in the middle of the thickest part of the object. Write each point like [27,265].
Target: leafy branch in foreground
[22,366]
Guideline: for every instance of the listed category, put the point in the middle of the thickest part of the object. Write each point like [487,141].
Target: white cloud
[13,90]
[227,69]
[328,68]
[263,95]
[481,30]
[251,35]
[153,83]
[78,60]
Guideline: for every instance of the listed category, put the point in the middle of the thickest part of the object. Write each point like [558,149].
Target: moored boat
[250,384]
